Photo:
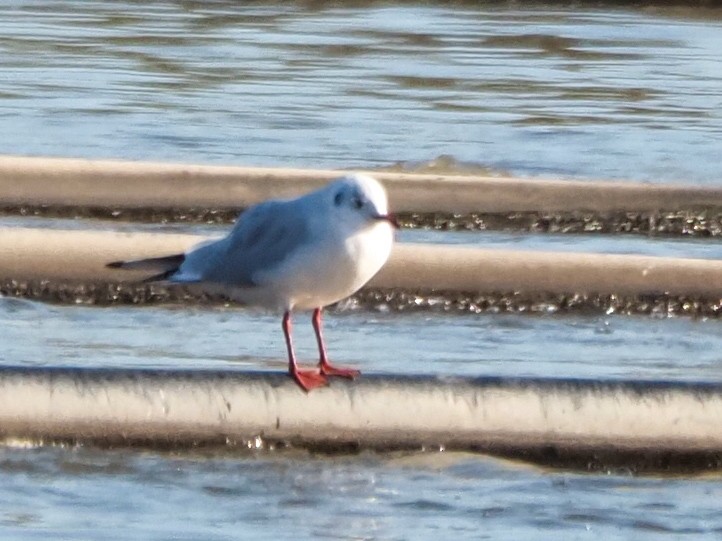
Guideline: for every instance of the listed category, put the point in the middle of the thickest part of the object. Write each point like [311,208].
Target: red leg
[325,367]
[306,379]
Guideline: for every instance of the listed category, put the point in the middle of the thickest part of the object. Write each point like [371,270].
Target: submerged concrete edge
[124,184]
[566,421]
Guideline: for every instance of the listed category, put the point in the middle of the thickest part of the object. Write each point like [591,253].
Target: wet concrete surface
[651,304]
[689,223]
[700,223]
[192,409]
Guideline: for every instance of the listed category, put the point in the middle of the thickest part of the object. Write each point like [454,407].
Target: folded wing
[264,236]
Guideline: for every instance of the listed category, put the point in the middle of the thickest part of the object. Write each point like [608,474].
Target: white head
[359,201]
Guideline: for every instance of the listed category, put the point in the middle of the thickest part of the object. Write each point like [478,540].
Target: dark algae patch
[394,300]
[687,223]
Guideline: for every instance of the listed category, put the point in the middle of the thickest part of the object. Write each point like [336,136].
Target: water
[233,338]
[606,92]
[364,497]
[80,492]
[595,93]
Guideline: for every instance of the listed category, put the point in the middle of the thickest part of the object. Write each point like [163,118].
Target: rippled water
[539,90]
[364,497]
[603,93]
[203,337]
[69,492]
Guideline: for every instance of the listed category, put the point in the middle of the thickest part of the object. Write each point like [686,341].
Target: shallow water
[486,344]
[364,497]
[598,93]
[604,92]
[78,492]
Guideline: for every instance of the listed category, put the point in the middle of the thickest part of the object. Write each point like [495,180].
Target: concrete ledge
[558,422]
[80,257]
[103,183]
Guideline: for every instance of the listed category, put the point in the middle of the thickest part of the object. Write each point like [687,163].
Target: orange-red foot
[330,370]
[309,379]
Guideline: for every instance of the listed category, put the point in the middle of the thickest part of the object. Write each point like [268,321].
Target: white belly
[325,273]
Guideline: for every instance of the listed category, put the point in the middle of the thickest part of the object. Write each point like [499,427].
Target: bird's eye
[357,203]
[338,198]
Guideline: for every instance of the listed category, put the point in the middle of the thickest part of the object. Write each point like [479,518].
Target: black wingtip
[167,265]
[163,276]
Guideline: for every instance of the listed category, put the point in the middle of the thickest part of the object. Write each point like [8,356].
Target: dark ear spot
[338,198]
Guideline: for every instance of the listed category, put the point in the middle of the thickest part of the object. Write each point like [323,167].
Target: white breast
[326,272]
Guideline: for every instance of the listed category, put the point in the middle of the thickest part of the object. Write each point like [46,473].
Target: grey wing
[263,237]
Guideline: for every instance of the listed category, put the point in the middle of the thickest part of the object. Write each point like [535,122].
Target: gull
[295,254]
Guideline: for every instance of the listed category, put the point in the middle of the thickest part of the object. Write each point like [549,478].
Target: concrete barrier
[80,257]
[105,183]
[643,426]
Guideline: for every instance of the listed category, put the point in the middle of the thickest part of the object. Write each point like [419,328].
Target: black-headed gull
[297,254]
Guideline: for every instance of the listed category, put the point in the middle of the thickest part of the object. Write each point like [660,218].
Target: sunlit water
[74,494]
[603,93]
[291,495]
[236,338]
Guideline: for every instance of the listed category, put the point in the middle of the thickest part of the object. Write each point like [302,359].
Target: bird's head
[360,201]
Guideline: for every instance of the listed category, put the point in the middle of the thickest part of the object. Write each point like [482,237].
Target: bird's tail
[165,267]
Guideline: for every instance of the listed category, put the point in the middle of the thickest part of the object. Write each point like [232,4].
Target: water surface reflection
[538,90]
